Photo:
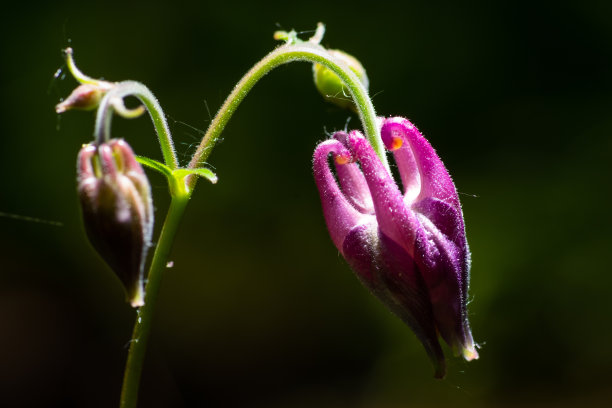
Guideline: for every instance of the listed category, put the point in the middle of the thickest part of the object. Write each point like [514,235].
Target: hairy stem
[288,53]
[115,96]
[142,327]
[308,52]
[78,74]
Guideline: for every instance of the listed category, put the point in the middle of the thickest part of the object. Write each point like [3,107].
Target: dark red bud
[117,211]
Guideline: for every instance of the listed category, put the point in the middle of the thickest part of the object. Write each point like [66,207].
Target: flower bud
[117,211]
[331,86]
[83,97]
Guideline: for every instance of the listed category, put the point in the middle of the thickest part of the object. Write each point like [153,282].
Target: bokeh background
[259,309]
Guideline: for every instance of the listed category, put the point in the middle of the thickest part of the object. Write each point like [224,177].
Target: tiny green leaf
[201,172]
[155,165]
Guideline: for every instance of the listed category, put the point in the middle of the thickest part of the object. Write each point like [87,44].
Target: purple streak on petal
[435,180]
[394,219]
[340,215]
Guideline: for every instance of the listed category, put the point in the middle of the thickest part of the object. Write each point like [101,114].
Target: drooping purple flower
[408,247]
[117,211]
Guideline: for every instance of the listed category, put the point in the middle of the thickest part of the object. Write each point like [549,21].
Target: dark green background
[260,310]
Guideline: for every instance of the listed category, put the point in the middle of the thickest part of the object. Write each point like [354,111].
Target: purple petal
[442,247]
[406,163]
[434,179]
[449,221]
[439,264]
[407,296]
[352,182]
[391,274]
[395,220]
[340,216]
[360,249]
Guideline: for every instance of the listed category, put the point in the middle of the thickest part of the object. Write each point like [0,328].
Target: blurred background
[259,309]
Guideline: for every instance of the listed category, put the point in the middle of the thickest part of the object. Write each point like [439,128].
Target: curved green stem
[115,96]
[288,53]
[79,75]
[291,52]
[142,327]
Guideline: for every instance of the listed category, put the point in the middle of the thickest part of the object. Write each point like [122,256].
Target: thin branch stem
[284,54]
[79,75]
[115,96]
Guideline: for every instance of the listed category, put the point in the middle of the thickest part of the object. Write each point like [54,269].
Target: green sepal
[176,178]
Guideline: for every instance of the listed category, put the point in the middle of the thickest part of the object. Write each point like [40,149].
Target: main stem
[142,327]
[292,52]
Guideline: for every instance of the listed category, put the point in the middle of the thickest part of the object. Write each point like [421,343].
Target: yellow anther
[342,158]
[396,143]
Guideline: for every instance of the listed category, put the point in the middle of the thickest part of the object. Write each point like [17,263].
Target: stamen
[392,138]
[342,158]
[396,143]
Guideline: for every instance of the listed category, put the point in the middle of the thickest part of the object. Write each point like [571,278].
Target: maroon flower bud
[117,211]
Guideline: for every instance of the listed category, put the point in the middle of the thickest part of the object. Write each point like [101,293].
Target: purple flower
[117,211]
[408,247]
